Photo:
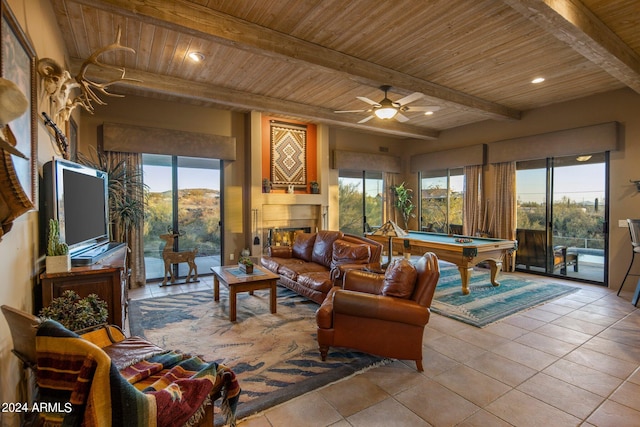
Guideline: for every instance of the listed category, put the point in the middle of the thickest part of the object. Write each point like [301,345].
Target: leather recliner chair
[382,314]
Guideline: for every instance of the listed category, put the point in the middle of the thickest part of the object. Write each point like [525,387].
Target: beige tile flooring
[573,361]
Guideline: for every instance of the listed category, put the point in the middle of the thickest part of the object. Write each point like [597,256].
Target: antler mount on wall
[61,87]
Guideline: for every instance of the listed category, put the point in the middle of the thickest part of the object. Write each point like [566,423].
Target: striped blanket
[79,385]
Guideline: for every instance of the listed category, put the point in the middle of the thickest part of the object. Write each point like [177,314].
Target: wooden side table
[237,281]
[105,278]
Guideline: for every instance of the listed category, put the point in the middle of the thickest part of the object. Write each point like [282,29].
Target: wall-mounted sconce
[637,183]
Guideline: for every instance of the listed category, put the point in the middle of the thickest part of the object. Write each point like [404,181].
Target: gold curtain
[473,200]
[504,222]
[134,236]
[390,212]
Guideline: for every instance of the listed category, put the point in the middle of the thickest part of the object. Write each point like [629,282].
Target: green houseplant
[58,259]
[76,313]
[403,201]
[245,264]
[127,193]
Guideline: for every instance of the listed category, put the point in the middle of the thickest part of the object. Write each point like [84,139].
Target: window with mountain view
[361,200]
[184,196]
[441,201]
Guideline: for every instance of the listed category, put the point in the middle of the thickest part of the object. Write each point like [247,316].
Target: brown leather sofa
[314,261]
[382,314]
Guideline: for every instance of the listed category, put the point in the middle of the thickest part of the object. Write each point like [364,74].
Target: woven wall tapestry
[288,154]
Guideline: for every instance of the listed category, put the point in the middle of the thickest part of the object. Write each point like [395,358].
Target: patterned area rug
[275,356]
[486,303]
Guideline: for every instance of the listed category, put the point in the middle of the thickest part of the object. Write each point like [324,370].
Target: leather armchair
[366,316]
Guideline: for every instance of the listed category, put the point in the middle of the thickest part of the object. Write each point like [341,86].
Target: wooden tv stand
[107,278]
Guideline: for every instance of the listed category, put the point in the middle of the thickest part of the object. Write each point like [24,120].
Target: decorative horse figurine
[171,257]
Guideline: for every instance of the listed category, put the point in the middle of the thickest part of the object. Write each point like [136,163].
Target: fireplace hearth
[284,236]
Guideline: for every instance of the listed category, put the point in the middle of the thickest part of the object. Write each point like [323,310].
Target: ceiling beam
[223,96]
[572,23]
[207,23]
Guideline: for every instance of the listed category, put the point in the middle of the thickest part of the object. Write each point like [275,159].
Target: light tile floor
[573,361]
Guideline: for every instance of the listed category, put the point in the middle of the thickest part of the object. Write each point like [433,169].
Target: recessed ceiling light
[428,113]
[196,56]
[537,80]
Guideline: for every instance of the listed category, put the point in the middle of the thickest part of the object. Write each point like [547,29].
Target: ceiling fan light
[386,112]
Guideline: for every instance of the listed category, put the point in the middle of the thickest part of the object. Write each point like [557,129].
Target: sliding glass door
[184,197]
[579,223]
[360,198]
[562,217]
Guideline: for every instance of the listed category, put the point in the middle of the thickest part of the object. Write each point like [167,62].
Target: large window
[361,199]
[441,201]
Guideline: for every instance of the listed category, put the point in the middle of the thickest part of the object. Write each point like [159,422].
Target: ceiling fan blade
[352,111]
[366,119]
[401,117]
[410,98]
[367,100]
[423,108]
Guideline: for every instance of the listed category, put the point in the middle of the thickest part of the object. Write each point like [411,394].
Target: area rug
[275,356]
[487,303]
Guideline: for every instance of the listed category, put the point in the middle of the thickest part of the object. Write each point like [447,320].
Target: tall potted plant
[403,201]
[126,193]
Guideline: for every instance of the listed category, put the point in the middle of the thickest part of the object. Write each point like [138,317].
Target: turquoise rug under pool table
[487,303]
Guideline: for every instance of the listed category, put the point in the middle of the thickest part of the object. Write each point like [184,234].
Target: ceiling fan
[388,109]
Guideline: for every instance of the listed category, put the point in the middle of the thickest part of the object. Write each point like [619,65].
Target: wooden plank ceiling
[305,59]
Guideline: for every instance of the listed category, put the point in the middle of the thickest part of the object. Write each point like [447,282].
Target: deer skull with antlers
[59,85]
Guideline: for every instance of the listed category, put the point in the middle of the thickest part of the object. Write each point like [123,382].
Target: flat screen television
[77,196]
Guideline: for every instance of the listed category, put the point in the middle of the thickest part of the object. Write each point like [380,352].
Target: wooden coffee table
[237,281]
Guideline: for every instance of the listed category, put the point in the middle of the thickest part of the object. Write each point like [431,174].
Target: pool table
[450,248]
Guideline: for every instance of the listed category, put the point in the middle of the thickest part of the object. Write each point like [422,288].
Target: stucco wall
[19,248]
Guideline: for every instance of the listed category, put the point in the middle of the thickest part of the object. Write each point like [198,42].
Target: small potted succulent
[315,187]
[58,259]
[245,264]
[266,185]
[76,313]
